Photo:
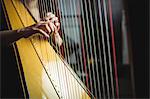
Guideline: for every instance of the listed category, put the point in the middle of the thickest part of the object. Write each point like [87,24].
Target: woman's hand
[46,26]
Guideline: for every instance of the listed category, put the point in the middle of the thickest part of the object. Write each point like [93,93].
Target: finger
[44,33]
[50,16]
[48,28]
[49,13]
[57,24]
[54,19]
[39,24]
[52,26]
[41,32]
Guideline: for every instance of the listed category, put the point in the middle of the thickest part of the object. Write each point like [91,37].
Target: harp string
[113,48]
[71,49]
[66,51]
[65,40]
[45,68]
[97,83]
[79,53]
[100,55]
[54,6]
[52,9]
[104,48]
[77,36]
[64,23]
[70,24]
[44,10]
[90,58]
[77,22]
[108,45]
[69,81]
[89,45]
[95,55]
[71,19]
[86,67]
[65,44]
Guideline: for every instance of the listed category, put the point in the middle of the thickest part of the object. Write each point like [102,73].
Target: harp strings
[104,49]
[95,31]
[113,48]
[87,48]
[98,34]
[66,50]
[76,33]
[108,45]
[84,68]
[70,20]
[94,60]
[69,82]
[52,9]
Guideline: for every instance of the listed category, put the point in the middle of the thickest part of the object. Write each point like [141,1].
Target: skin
[45,27]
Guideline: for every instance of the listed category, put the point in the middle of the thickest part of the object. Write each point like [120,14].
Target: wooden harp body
[46,74]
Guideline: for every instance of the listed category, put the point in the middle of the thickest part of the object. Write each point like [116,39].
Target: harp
[84,66]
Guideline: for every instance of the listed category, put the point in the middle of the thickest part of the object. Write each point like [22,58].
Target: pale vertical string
[90,38]
[63,37]
[66,40]
[74,9]
[84,68]
[108,45]
[100,55]
[62,28]
[95,58]
[86,45]
[65,30]
[66,15]
[96,61]
[53,10]
[103,45]
[45,10]
[78,23]
[80,66]
[73,18]
[85,33]
[113,48]
[70,82]
[71,24]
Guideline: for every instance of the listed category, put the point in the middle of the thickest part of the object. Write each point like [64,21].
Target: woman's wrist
[26,32]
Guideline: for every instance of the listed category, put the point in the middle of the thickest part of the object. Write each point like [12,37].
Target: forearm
[9,36]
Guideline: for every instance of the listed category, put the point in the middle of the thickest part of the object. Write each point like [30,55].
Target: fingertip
[49,13]
[46,35]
